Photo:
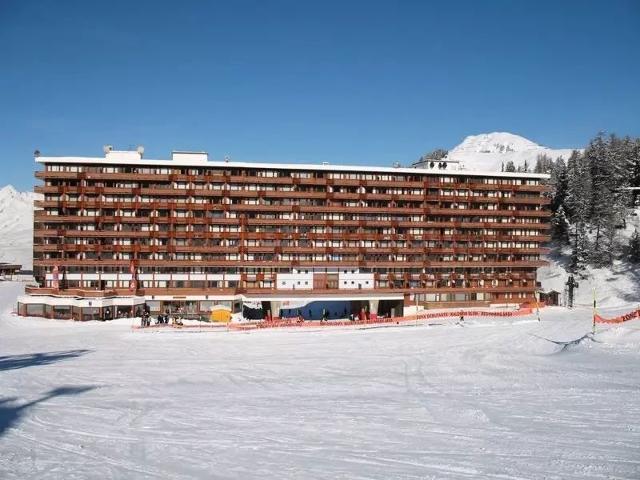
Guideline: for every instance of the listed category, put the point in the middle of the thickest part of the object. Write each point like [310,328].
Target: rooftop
[201,159]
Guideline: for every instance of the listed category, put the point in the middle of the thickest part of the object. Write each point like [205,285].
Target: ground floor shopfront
[204,307]
[80,309]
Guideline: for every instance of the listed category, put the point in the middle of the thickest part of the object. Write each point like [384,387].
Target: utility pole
[593,327]
[571,285]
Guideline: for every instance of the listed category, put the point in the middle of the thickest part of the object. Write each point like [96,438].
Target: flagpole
[593,326]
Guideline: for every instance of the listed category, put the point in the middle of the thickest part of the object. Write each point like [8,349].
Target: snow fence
[622,318]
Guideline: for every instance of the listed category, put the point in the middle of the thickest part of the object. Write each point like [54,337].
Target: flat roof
[286,166]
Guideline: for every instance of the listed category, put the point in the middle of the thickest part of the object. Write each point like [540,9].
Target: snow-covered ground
[490,400]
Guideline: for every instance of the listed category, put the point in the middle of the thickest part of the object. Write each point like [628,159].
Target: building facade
[120,231]
[9,270]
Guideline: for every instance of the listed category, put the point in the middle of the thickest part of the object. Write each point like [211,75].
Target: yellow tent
[220,313]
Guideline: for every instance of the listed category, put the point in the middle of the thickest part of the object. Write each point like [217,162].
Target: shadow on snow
[10,414]
[14,362]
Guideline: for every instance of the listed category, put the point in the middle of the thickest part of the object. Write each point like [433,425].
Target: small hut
[550,298]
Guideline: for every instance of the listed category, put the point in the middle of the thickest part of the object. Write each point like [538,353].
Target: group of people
[167,318]
[145,315]
[325,315]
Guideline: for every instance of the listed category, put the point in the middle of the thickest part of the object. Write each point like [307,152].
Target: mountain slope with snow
[16,226]
[490,151]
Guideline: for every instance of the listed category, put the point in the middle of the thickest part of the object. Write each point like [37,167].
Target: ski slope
[488,400]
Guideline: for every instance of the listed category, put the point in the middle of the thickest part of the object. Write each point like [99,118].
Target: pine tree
[577,206]
[510,167]
[590,198]
[560,226]
[544,164]
[607,161]
[558,182]
[634,160]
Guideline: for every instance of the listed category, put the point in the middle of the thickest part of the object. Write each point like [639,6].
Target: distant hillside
[490,151]
[16,226]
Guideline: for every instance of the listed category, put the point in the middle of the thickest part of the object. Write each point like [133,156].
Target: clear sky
[347,82]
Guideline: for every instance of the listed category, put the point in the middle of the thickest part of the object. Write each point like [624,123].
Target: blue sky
[294,81]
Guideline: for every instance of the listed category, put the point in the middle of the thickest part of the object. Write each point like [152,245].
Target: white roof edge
[286,166]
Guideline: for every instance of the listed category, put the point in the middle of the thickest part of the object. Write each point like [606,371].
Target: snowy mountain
[16,226]
[489,151]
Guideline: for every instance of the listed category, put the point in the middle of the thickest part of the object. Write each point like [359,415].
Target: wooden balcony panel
[93,263]
[261,249]
[42,217]
[48,232]
[48,174]
[251,180]
[313,181]
[95,293]
[46,248]
[191,291]
[346,182]
[132,176]
[260,208]
[205,249]
[499,212]
[387,183]
[79,292]
[294,194]
[204,192]
[199,206]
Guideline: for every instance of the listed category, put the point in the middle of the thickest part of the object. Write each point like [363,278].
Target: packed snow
[491,151]
[492,399]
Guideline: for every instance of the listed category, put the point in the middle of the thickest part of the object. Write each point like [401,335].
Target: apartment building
[117,232]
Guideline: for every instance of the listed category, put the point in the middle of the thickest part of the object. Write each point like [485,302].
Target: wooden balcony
[289,264]
[82,292]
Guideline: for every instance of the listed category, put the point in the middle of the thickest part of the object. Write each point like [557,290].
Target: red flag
[132,282]
[55,283]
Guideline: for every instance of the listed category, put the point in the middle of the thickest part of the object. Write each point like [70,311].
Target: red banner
[133,283]
[55,277]
[622,318]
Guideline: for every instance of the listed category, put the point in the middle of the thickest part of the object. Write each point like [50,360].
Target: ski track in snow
[486,401]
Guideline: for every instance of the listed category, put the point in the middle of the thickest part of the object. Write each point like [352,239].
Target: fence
[279,323]
[296,323]
[622,318]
